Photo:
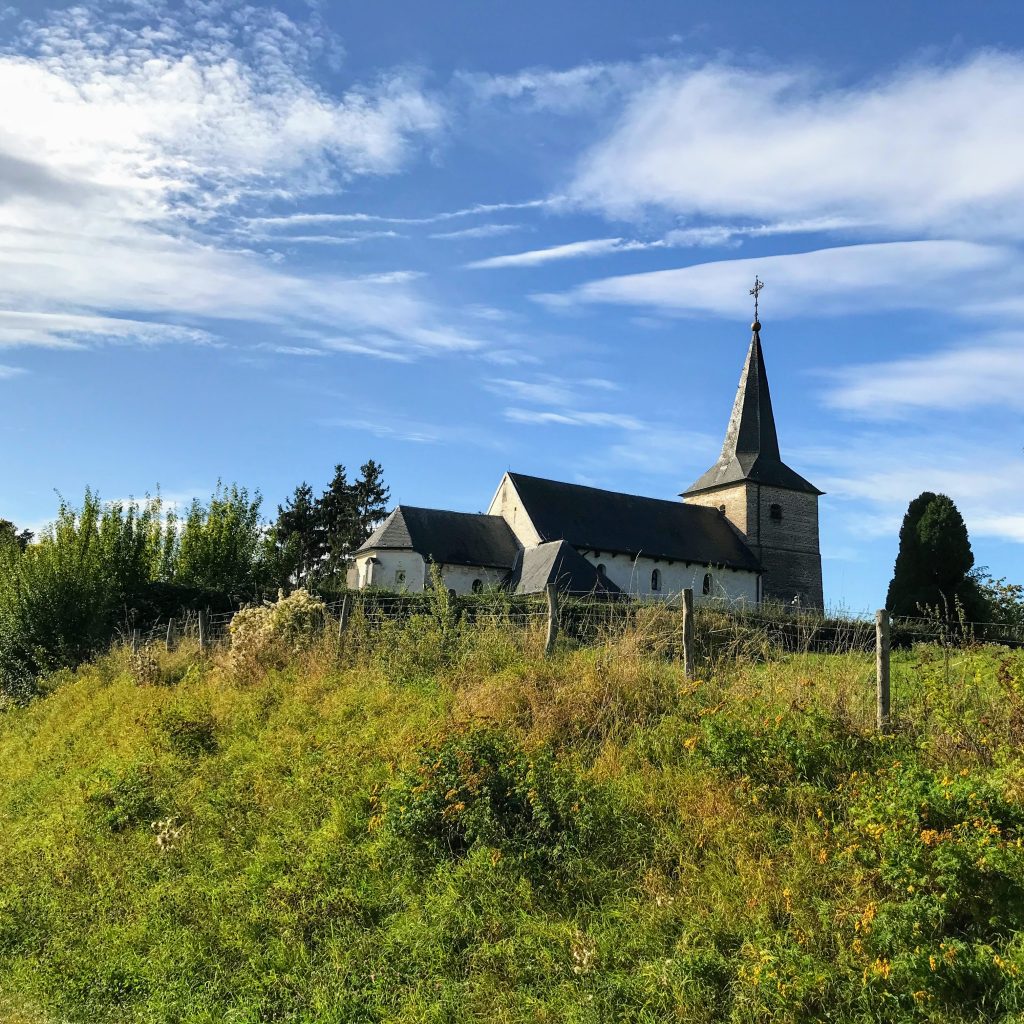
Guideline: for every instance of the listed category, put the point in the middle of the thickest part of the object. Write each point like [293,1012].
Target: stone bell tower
[774,507]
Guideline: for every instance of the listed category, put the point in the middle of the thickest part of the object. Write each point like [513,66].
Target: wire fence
[906,674]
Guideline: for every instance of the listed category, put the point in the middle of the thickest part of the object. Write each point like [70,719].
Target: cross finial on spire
[756,291]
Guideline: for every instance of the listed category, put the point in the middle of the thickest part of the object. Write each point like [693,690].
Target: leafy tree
[10,534]
[62,597]
[1005,600]
[221,547]
[933,566]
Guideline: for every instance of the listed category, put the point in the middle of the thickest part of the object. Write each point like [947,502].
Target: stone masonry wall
[788,548]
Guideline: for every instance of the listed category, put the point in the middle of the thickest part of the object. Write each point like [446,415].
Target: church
[745,532]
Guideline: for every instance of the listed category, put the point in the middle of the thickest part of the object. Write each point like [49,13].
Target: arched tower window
[602,570]
[655,580]
[775,512]
[708,583]
[721,508]
[478,585]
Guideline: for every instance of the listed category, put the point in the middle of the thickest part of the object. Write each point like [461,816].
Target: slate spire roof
[751,448]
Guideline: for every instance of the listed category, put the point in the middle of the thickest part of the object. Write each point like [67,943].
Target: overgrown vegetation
[104,567]
[432,822]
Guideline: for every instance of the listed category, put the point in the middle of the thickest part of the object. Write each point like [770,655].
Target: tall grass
[427,821]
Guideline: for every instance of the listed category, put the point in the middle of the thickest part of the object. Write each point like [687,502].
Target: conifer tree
[372,497]
[934,562]
[299,536]
[338,522]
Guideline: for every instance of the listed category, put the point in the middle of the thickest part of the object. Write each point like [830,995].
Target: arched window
[708,583]
[721,508]
[478,585]
[602,570]
[775,512]
[655,580]
[452,595]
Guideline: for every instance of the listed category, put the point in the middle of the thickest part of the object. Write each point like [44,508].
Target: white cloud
[365,236]
[848,278]
[480,231]
[870,478]
[929,149]
[7,372]
[136,138]
[285,222]
[546,389]
[583,88]
[573,418]
[571,250]
[987,371]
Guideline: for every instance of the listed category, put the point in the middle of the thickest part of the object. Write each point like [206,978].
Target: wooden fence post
[882,670]
[688,665]
[171,635]
[346,608]
[135,641]
[203,631]
[549,645]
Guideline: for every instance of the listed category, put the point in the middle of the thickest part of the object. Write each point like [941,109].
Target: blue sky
[248,242]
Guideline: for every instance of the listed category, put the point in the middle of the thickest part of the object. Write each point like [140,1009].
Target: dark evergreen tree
[371,499]
[10,534]
[932,571]
[299,537]
[339,524]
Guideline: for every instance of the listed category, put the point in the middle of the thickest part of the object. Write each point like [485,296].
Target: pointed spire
[751,427]
[751,448]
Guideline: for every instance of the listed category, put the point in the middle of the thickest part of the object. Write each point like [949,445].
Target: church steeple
[751,448]
[773,506]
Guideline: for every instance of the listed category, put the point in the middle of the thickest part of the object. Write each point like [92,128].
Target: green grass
[424,830]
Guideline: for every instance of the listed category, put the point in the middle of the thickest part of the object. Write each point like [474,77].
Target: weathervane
[755,291]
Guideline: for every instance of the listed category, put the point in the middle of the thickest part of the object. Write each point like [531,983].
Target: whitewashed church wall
[407,571]
[634,576]
[460,578]
[391,570]
[507,504]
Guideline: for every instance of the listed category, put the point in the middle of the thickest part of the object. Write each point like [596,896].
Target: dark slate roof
[599,520]
[751,449]
[451,538]
[559,563]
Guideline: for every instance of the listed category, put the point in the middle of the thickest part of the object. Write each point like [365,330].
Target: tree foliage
[221,548]
[314,537]
[10,534]
[932,574]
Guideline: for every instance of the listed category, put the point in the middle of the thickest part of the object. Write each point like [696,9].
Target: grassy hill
[416,830]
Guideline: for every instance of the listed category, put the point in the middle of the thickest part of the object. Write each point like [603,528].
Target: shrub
[780,749]
[479,788]
[123,797]
[269,635]
[188,729]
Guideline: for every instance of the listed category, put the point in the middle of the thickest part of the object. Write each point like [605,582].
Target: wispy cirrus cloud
[885,275]
[481,231]
[285,222]
[568,251]
[725,140]
[980,371]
